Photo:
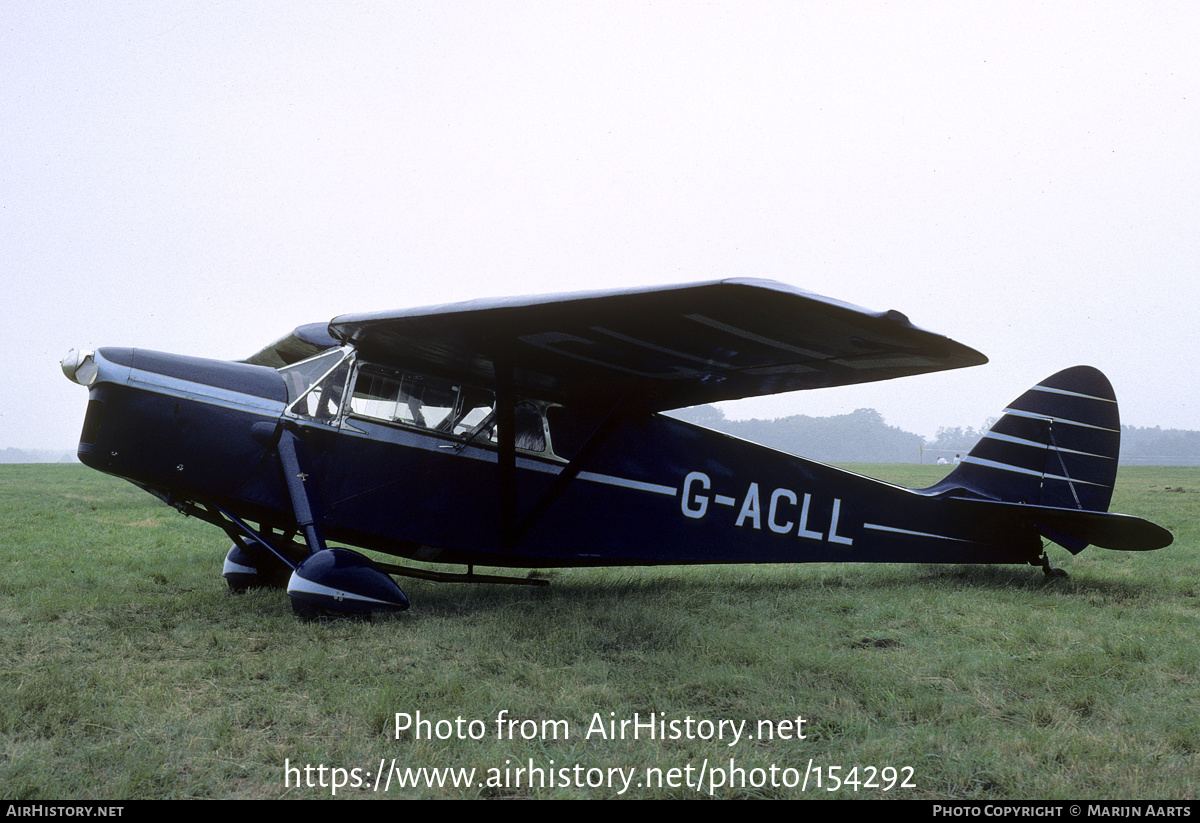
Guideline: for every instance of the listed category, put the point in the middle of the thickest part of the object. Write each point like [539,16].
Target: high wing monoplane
[526,433]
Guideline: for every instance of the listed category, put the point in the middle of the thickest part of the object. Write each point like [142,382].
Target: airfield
[129,671]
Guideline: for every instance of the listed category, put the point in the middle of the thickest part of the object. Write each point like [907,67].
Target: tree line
[862,436]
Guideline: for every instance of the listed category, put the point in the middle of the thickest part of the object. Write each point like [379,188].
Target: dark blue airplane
[526,433]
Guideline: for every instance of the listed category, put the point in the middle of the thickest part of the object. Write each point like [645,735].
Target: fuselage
[410,465]
[179,426]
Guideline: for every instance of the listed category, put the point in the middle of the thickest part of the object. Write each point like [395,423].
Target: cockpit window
[315,386]
[302,376]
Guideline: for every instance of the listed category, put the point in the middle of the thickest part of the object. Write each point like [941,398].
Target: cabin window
[421,402]
[531,431]
[442,406]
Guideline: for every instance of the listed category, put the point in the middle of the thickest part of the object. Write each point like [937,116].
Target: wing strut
[604,429]
[513,529]
[506,452]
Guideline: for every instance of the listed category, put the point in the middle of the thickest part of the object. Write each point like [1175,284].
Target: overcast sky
[202,177]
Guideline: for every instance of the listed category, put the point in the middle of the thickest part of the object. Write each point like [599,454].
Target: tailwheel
[1049,570]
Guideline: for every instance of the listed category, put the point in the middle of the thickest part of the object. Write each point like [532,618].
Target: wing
[668,346]
[302,343]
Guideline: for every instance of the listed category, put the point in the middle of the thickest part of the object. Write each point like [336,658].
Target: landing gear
[1049,570]
[326,583]
[320,581]
[245,568]
[330,583]
[343,582]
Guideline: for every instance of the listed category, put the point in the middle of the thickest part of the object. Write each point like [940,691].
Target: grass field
[129,672]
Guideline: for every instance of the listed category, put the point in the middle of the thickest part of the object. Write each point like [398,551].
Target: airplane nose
[79,366]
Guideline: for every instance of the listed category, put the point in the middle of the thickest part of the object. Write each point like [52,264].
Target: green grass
[128,671]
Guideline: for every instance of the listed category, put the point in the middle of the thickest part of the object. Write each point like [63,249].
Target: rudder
[1056,445]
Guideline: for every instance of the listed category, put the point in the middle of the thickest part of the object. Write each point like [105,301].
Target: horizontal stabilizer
[1075,529]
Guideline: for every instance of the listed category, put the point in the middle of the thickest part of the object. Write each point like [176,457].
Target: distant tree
[859,437]
[1158,446]
[957,439]
[863,436]
[708,416]
[11,455]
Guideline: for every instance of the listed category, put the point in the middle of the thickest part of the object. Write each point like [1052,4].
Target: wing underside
[670,346]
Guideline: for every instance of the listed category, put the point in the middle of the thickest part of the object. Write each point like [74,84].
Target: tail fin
[1056,445]
[1055,451]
